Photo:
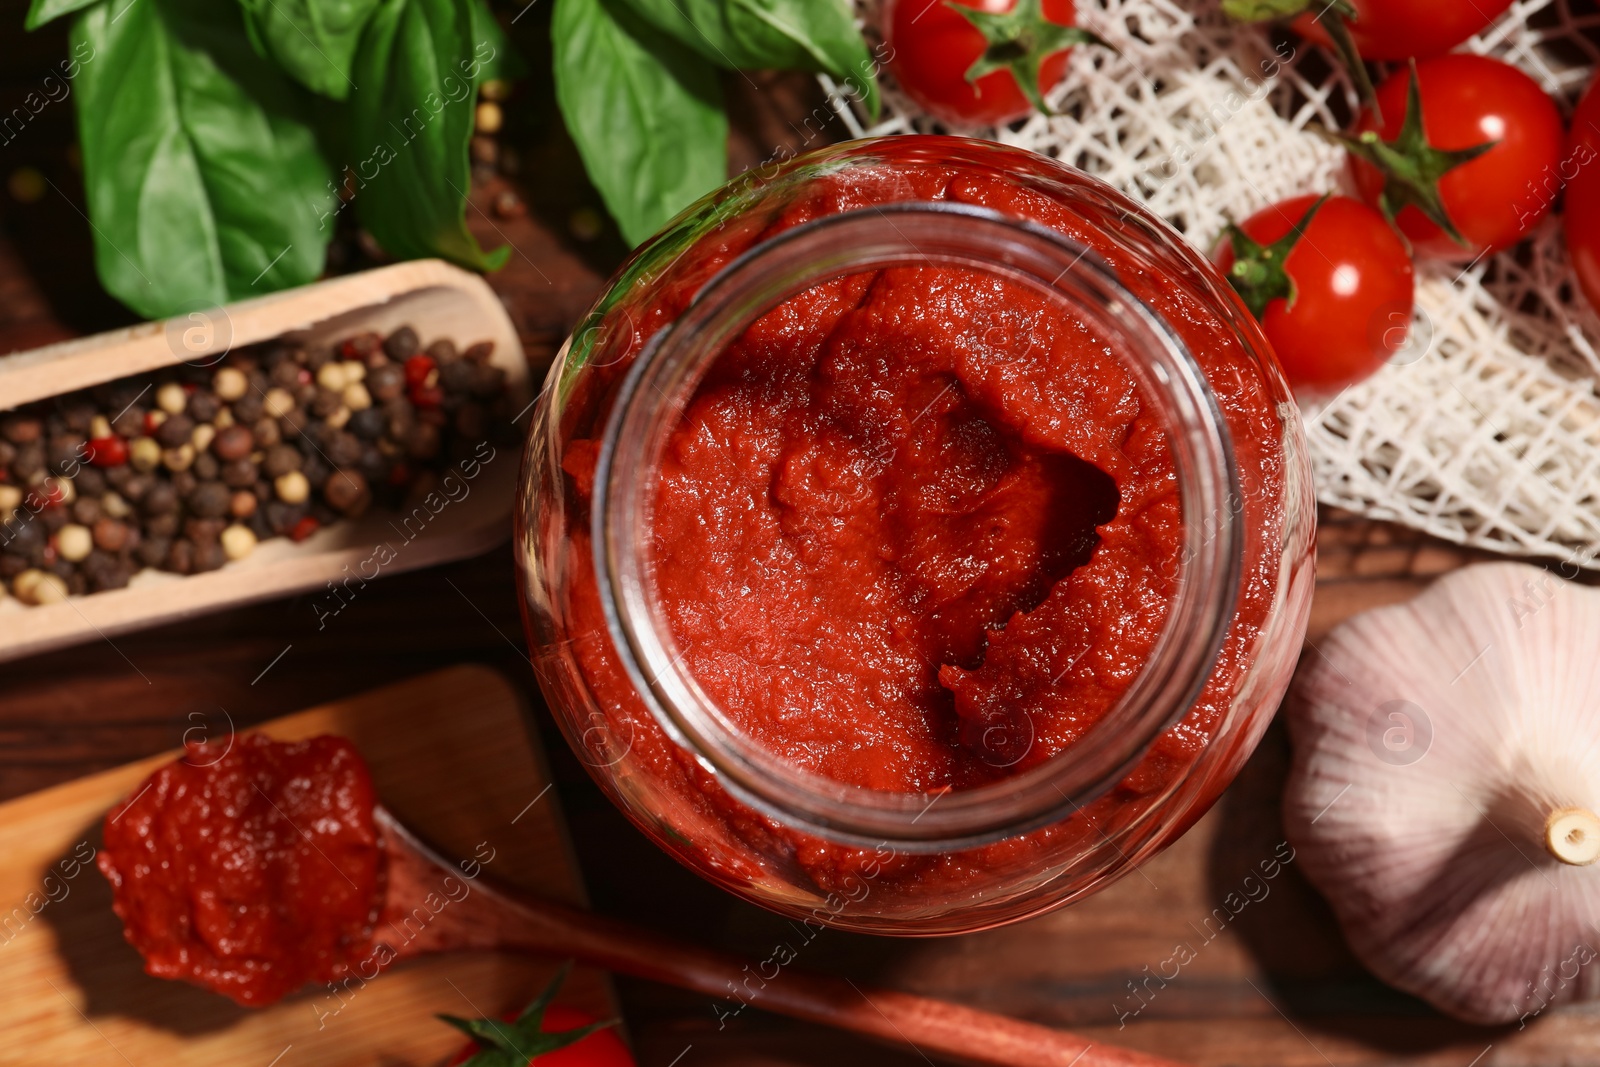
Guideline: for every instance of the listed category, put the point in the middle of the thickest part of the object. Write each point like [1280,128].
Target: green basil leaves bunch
[638,87]
[216,136]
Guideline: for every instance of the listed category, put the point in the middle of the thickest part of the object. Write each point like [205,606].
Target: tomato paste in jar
[919,528]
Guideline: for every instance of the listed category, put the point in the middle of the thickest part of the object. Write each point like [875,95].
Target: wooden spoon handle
[488,920]
[932,1027]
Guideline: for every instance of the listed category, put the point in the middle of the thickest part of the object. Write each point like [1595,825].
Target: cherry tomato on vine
[1580,168]
[1334,299]
[1402,29]
[546,1034]
[1468,143]
[981,62]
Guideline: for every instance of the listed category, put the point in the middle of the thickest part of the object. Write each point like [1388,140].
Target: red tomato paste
[919,529]
[249,866]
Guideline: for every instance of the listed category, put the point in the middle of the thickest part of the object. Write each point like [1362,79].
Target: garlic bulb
[1445,788]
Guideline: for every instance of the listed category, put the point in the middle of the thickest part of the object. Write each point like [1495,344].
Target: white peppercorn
[292,488]
[278,403]
[74,542]
[171,398]
[230,383]
[238,541]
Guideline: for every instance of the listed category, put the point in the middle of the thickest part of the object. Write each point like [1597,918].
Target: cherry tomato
[1467,100]
[1018,49]
[1402,29]
[1580,169]
[603,1048]
[1353,289]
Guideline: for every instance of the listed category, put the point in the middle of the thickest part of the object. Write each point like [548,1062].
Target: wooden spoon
[487,919]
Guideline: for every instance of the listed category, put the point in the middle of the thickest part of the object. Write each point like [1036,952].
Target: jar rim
[650,402]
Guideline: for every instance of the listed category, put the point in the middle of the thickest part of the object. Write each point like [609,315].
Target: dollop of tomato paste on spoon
[249,866]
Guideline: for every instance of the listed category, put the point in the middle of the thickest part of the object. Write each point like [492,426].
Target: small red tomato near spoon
[1330,284]
[543,1033]
[981,62]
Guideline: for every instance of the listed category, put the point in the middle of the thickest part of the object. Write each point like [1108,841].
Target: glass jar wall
[915,536]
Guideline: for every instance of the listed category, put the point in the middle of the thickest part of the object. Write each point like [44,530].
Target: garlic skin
[1446,775]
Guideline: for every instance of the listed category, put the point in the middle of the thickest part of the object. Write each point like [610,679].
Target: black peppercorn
[233,442]
[266,432]
[457,377]
[175,431]
[85,510]
[239,474]
[159,499]
[203,531]
[67,452]
[281,517]
[386,382]
[203,405]
[129,423]
[152,551]
[367,423]
[402,344]
[91,481]
[247,409]
[342,448]
[21,429]
[325,402]
[281,459]
[180,557]
[163,526]
[134,486]
[347,491]
[210,500]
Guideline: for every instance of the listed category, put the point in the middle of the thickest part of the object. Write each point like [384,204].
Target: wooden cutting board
[450,755]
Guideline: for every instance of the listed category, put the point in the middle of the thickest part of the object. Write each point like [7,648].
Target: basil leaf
[814,35]
[817,35]
[698,24]
[43,11]
[314,41]
[645,112]
[417,73]
[503,63]
[204,184]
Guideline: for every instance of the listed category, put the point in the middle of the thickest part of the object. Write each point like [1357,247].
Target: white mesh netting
[1485,429]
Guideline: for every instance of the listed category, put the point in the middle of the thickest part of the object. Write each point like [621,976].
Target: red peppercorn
[426,396]
[418,368]
[304,528]
[151,423]
[360,346]
[108,451]
[399,474]
[303,376]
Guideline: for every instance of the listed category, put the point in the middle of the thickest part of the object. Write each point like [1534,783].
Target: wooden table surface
[1276,987]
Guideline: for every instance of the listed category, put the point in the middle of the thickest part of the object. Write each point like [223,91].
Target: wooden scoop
[487,919]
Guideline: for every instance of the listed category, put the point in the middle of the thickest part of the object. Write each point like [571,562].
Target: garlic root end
[1572,835]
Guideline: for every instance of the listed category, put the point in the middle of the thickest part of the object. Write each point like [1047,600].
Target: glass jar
[897,658]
